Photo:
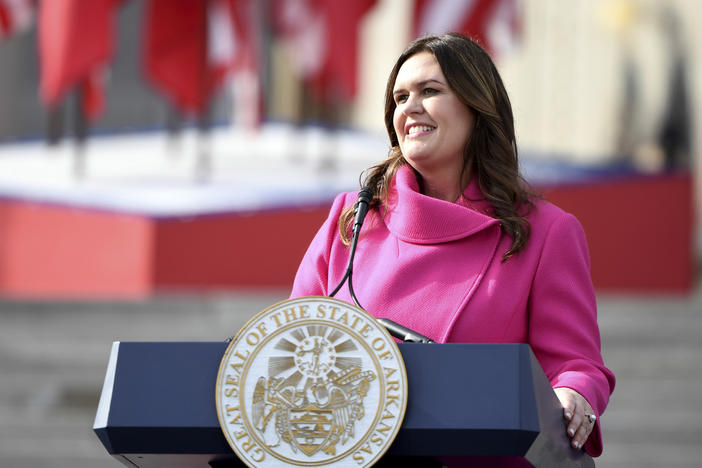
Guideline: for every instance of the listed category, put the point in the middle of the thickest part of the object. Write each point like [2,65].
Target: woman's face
[431,123]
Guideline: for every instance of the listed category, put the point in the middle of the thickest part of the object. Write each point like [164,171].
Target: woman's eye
[400,98]
[430,91]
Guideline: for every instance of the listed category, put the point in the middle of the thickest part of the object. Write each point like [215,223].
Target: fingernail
[571,432]
[577,445]
[568,415]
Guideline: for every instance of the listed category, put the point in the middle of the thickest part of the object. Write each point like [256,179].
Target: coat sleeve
[563,330]
[312,278]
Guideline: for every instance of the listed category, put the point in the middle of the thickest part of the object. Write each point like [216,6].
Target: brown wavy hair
[491,151]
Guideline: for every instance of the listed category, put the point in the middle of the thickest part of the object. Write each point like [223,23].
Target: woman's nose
[413,104]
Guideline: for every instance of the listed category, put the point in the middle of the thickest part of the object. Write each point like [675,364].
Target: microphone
[403,333]
[360,209]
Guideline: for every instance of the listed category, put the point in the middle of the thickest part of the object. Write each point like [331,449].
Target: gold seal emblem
[312,381]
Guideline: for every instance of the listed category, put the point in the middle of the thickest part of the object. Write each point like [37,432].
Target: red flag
[176,53]
[193,45]
[324,35]
[15,16]
[343,24]
[76,40]
[493,23]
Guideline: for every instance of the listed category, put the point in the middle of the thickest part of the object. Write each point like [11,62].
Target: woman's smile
[417,130]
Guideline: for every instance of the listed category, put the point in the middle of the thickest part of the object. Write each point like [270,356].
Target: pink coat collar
[419,219]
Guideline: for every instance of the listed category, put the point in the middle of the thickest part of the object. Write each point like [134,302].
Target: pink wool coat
[436,267]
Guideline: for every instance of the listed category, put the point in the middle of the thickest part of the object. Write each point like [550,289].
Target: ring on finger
[591,417]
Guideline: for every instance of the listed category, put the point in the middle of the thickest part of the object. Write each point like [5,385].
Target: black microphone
[403,333]
[364,198]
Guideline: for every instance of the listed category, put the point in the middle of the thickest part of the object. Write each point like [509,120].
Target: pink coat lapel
[423,238]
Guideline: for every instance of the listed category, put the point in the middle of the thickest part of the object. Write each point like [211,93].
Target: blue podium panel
[481,405]
[157,406]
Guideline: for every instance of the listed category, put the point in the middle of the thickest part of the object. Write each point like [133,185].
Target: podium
[157,407]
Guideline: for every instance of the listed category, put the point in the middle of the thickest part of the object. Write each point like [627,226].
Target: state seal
[312,381]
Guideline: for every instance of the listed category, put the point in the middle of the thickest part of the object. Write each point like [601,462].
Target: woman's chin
[418,158]
[423,163]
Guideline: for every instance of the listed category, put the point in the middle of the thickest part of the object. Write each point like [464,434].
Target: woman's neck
[446,188]
[440,192]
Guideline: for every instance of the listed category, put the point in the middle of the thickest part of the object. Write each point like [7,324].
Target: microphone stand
[361,208]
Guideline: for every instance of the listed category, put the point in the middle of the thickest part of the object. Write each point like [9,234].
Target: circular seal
[312,381]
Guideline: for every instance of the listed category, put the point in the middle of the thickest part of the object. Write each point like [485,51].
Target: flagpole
[80,129]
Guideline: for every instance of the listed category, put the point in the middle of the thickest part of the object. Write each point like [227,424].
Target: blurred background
[164,164]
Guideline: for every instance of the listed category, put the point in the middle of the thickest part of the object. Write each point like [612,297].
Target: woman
[455,246]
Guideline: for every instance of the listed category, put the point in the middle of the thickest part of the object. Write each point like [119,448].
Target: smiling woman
[457,248]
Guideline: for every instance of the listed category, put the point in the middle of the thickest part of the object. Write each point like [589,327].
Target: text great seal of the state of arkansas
[312,381]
